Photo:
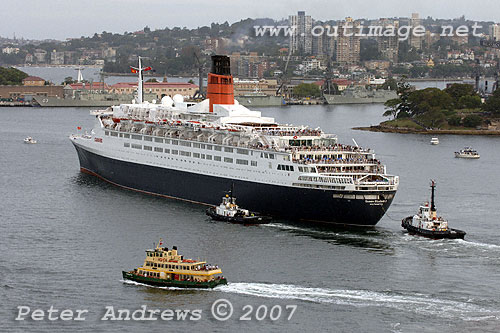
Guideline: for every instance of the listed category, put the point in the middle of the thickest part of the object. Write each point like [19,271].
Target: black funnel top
[221,65]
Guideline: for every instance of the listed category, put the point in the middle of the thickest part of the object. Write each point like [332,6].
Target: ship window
[106,132]
[301,169]
[217,158]
[126,136]
[253,163]
[228,160]
[167,151]
[203,156]
[160,140]
[242,151]
[114,134]
[148,138]
[241,162]
[167,141]
[203,146]
[185,144]
[148,148]
[228,150]
[196,145]
[136,137]
[175,142]
[126,144]
[135,146]
[271,156]
[175,152]
[266,155]
[209,157]
[121,135]
[279,166]
[196,155]
[159,150]
[209,147]
[185,153]
[218,148]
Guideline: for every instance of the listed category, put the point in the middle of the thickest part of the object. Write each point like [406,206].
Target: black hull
[317,206]
[449,234]
[256,219]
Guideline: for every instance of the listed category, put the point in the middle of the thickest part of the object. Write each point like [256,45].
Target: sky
[61,19]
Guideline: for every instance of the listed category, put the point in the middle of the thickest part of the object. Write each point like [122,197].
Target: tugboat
[166,268]
[29,140]
[427,224]
[467,152]
[229,211]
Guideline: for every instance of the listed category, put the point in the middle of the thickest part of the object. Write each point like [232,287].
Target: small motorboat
[434,141]
[29,140]
[467,152]
[228,211]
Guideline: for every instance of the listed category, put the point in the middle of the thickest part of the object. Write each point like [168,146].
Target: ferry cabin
[162,263]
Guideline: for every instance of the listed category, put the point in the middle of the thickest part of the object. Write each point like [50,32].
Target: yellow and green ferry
[167,268]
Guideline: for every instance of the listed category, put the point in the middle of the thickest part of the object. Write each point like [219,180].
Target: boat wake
[403,301]
[417,303]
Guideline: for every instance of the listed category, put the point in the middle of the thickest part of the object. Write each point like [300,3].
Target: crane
[282,86]
[200,93]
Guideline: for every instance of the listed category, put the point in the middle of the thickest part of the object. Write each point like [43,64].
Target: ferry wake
[196,151]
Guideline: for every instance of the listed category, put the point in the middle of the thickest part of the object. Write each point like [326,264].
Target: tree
[392,107]
[11,76]
[472,120]
[455,120]
[400,107]
[433,117]
[390,84]
[307,90]
[152,80]
[457,90]
[493,103]
[470,102]
[68,80]
[422,101]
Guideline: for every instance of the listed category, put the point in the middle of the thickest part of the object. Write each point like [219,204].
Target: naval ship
[361,95]
[196,151]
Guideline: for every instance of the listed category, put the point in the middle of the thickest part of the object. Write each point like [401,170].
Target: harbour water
[65,237]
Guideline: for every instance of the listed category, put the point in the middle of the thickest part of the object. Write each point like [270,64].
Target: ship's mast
[140,90]
[433,186]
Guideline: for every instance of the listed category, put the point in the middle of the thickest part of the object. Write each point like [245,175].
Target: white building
[301,38]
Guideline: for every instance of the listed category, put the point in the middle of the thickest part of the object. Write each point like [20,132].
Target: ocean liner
[196,151]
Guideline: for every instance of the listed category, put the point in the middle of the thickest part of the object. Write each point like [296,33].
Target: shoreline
[404,130]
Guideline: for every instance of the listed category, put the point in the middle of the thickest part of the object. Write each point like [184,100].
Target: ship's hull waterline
[312,205]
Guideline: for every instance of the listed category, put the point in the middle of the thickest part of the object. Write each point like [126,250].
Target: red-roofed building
[161,89]
[33,81]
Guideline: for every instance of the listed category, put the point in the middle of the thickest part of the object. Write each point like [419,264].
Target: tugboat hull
[256,219]
[172,283]
[448,234]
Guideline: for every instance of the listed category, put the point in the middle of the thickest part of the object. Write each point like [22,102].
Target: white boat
[434,141]
[30,140]
[467,152]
